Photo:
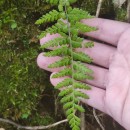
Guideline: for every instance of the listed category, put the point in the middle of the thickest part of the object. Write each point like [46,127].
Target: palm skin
[111,85]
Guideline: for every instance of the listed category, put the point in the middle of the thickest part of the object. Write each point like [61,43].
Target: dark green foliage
[21,81]
[68,25]
[121,14]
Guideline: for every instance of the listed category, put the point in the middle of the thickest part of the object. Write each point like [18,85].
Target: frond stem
[71,48]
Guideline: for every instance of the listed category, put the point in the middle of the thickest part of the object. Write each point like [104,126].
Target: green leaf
[69,98]
[64,83]
[62,73]
[65,92]
[55,42]
[13,25]
[66,98]
[78,14]
[60,7]
[82,57]
[64,50]
[84,28]
[79,76]
[25,116]
[76,44]
[60,26]
[69,117]
[81,95]
[68,105]
[79,108]
[78,66]
[69,111]
[49,17]
[89,44]
[54,2]
[81,85]
[63,62]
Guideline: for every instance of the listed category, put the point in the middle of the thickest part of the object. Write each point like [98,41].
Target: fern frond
[69,98]
[78,14]
[78,39]
[62,73]
[71,116]
[63,62]
[68,25]
[59,41]
[68,105]
[78,66]
[65,92]
[60,27]
[82,57]
[89,44]
[81,85]
[79,76]
[74,121]
[69,111]
[79,108]
[64,50]
[76,44]
[64,83]
[84,28]
[49,17]
[81,95]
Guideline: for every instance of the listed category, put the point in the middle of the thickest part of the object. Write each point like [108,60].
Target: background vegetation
[26,96]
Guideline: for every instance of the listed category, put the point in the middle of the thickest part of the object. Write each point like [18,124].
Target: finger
[96,98]
[96,95]
[100,53]
[119,84]
[100,75]
[108,30]
[43,62]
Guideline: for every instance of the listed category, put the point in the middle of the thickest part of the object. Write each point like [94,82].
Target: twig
[128,11]
[99,8]
[98,121]
[56,104]
[82,121]
[33,127]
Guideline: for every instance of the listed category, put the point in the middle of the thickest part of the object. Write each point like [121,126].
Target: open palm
[111,85]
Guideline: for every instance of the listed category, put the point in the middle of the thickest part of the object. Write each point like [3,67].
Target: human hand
[111,85]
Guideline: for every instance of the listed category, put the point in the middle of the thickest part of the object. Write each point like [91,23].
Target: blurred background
[26,95]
